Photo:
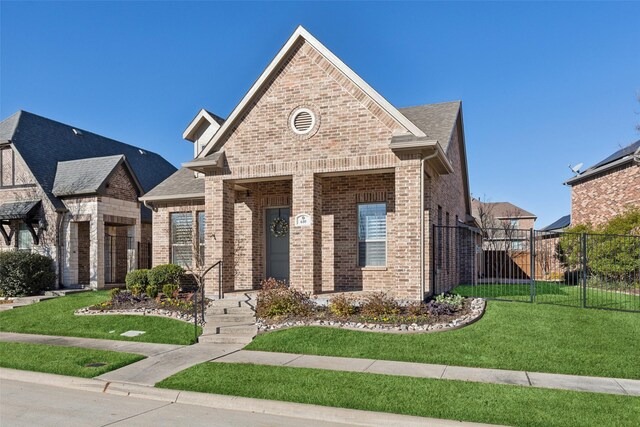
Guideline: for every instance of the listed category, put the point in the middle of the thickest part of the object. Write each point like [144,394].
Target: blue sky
[542,84]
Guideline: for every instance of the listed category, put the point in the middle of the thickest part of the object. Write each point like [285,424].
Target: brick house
[316,179]
[73,195]
[607,188]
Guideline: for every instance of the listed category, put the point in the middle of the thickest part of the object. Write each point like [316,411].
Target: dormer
[201,130]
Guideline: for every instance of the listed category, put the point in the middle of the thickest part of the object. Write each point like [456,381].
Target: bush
[25,273]
[276,299]
[417,308]
[454,300]
[136,290]
[445,304]
[137,277]
[161,275]
[152,291]
[379,304]
[113,292]
[342,305]
[170,289]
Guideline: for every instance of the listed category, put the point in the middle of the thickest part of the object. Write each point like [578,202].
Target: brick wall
[120,185]
[598,199]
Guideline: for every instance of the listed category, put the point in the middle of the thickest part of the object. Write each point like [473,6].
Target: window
[25,239]
[181,238]
[201,228]
[7,174]
[515,223]
[372,234]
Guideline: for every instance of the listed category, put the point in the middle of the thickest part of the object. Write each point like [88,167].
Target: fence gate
[575,269]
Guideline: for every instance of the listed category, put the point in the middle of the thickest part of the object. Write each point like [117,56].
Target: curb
[234,403]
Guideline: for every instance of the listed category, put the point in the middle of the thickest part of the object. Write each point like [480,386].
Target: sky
[543,85]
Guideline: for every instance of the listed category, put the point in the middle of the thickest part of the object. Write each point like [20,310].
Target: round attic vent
[302,121]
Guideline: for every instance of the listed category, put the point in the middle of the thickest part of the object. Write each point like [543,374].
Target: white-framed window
[515,223]
[372,234]
[181,238]
[25,239]
[201,234]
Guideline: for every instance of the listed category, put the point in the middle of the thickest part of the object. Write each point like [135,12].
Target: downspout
[422,228]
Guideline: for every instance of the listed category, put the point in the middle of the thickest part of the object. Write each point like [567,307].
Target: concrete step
[225,339]
[229,310]
[249,330]
[226,303]
[228,318]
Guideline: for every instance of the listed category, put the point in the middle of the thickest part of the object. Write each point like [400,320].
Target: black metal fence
[584,270]
[144,255]
[118,261]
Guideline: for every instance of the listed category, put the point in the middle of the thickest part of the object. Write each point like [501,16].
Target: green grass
[457,400]
[55,317]
[553,293]
[62,360]
[511,335]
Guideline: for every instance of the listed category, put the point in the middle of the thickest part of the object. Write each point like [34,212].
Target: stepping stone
[132,333]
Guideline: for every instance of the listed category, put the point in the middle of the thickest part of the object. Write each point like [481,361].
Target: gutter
[146,199]
[586,174]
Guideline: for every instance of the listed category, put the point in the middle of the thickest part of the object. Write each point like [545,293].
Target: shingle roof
[435,120]
[501,209]
[42,143]
[18,210]
[84,176]
[558,224]
[182,183]
[622,156]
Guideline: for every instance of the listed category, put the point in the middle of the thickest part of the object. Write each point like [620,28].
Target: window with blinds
[372,234]
[201,231]
[25,239]
[181,238]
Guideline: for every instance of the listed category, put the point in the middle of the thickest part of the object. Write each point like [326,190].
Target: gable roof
[42,143]
[558,224]
[203,115]
[88,176]
[437,121]
[181,185]
[501,210]
[620,157]
[301,33]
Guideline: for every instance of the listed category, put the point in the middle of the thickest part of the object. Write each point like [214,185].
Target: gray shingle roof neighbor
[621,156]
[558,224]
[182,183]
[84,176]
[435,120]
[500,209]
[42,143]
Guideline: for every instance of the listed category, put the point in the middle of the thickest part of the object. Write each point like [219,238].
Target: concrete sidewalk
[128,404]
[143,348]
[424,370]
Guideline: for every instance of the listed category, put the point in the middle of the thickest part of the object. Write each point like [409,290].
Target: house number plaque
[303,220]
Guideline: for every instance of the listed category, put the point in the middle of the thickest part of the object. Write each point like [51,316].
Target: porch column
[219,241]
[305,245]
[405,241]
[96,252]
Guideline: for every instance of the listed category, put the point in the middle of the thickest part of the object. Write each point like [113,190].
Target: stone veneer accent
[598,199]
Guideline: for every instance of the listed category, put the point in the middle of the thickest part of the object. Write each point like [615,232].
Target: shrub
[123,298]
[152,291]
[170,289]
[417,308]
[25,273]
[276,299]
[454,300]
[445,304]
[161,275]
[379,304]
[136,290]
[137,277]
[113,292]
[342,305]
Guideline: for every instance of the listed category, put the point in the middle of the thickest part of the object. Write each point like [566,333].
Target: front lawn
[62,360]
[55,317]
[511,335]
[457,400]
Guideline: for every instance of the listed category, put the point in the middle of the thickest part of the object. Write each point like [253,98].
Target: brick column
[219,213]
[406,233]
[305,247]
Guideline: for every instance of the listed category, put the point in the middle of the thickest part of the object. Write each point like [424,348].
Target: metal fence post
[584,270]
[195,316]
[532,265]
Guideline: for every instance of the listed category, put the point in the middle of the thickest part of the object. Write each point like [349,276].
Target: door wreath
[279,227]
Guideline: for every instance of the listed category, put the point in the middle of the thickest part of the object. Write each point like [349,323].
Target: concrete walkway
[424,370]
[146,349]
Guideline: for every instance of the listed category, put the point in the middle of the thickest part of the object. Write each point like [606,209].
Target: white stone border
[478,306]
[155,312]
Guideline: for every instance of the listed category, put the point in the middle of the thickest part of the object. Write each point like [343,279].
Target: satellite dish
[576,169]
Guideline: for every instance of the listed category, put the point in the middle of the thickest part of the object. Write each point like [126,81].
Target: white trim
[300,32]
[295,114]
[202,114]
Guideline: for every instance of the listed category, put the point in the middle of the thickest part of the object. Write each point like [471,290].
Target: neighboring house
[73,195]
[502,222]
[607,188]
[558,225]
[316,179]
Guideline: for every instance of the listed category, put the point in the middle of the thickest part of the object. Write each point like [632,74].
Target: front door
[277,251]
